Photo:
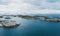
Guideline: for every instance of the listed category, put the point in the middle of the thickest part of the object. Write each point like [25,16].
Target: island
[45,18]
[13,23]
[8,22]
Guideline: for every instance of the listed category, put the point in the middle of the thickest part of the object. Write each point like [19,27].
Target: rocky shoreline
[45,18]
[12,23]
[8,23]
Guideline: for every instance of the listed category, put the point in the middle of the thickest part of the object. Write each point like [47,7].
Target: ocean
[33,27]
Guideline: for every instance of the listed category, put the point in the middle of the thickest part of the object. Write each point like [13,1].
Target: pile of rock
[9,23]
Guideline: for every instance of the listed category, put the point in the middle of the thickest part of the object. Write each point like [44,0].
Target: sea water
[32,27]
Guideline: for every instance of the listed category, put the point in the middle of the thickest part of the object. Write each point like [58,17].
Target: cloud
[30,6]
[16,6]
[4,2]
[52,1]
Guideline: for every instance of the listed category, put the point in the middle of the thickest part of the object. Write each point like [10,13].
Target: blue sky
[30,6]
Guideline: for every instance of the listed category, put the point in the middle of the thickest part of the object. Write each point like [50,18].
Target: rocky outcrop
[46,18]
[53,20]
[1,16]
[7,17]
[9,23]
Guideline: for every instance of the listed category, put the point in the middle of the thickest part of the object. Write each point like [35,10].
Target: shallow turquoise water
[32,27]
